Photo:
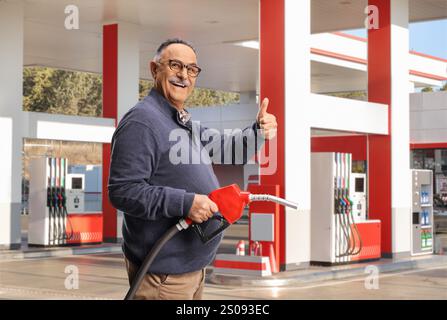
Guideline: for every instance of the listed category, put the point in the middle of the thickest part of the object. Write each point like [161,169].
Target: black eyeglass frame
[183,67]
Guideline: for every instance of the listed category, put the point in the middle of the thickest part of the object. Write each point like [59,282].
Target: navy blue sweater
[153,189]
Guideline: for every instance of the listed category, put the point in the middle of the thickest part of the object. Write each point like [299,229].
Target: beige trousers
[186,286]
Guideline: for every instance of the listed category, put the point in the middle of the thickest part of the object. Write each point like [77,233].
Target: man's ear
[153,67]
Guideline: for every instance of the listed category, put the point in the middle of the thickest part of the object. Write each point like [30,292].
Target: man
[154,192]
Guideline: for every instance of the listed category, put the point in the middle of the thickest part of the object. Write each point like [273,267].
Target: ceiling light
[252,44]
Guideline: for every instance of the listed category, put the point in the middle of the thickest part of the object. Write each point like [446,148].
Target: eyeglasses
[177,66]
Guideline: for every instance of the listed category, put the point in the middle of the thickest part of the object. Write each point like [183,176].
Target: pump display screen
[76,183]
[359,185]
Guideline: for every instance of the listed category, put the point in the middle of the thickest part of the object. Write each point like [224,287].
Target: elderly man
[154,193]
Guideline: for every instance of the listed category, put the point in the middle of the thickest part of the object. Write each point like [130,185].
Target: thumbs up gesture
[266,121]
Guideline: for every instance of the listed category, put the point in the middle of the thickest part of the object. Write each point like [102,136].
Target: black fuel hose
[148,261]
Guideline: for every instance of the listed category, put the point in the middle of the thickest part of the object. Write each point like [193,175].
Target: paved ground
[102,276]
[420,284]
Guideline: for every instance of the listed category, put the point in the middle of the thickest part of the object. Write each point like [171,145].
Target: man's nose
[183,73]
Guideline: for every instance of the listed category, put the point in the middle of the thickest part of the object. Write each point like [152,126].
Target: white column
[400,129]
[128,80]
[11,123]
[128,67]
[297,137]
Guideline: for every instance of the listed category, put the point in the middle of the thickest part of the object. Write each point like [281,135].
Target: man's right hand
[202,208]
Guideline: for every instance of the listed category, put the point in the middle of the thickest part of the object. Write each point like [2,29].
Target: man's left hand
[266,121]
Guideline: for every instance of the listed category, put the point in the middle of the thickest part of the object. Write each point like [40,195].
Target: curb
[328,273]
[59,252]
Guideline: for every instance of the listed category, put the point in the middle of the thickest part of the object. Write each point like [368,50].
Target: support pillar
[285,80]
[11,124]
[120,93]
[388,156]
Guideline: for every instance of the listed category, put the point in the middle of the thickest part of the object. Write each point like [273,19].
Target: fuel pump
[337,236]
[231,202]
[352,243]
[48,212]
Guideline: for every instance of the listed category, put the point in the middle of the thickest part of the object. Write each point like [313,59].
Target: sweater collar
[164,106]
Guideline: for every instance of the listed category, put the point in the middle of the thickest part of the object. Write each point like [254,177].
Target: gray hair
[168,42]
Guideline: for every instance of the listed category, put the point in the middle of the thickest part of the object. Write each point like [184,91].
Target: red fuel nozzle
[231,202]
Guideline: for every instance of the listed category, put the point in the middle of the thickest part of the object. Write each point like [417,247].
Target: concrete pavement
[50,273]
[103,276]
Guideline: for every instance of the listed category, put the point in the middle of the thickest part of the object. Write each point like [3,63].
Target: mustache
[184,82]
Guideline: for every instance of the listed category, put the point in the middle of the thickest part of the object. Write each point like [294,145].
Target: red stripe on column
[428,145]
[356,145]
[110,71]
[108,211]
[272,81]
[379,147]
[109,110]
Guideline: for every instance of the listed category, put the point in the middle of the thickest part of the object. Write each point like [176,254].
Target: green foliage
[207,97]
[199,97]
[145,87]
[63,92]
[80,93]
[427,89]
[444,87]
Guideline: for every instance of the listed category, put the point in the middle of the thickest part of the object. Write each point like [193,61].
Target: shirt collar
[183,118]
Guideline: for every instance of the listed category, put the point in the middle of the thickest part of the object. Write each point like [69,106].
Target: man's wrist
[258,133]
[188,199]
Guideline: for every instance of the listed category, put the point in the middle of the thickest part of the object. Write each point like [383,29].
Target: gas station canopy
[214,27]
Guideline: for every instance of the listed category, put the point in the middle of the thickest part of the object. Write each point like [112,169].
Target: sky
[425,37]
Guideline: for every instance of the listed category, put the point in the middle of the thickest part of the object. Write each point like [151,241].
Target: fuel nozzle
[268,197]
[231,202]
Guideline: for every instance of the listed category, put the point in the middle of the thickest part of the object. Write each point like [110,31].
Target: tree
[427,89]
[80,93]
[199,97]
[60,91]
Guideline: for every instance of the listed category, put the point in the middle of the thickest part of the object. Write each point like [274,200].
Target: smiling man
[154,193]
[174,80]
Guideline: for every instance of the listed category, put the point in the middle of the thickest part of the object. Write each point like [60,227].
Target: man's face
[176,86]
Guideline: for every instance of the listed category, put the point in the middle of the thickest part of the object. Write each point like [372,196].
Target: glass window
[444,160]
[418,159]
